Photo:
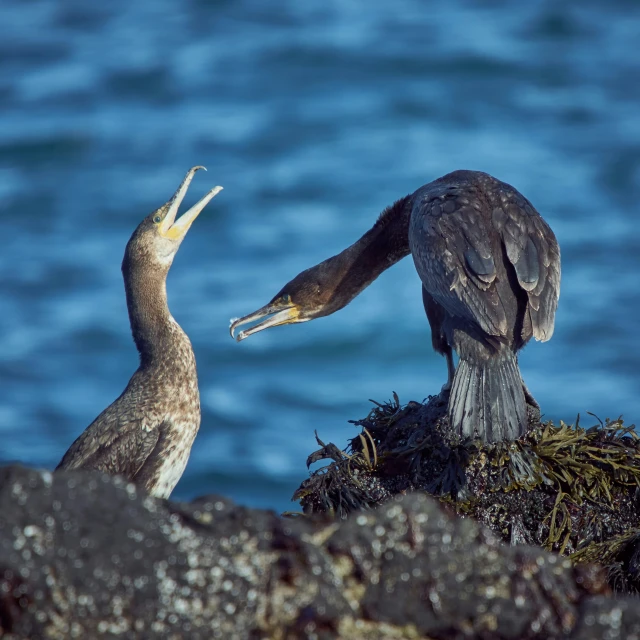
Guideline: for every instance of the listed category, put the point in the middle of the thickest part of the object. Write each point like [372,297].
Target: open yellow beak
[177,229]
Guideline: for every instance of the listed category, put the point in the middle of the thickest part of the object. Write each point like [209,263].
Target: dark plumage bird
[147,433]
[490,271]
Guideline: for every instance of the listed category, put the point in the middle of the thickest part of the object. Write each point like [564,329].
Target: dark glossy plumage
[490,271]
[492,264]
[147,433]
[468,231]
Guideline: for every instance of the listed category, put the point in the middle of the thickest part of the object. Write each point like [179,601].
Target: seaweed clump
[568,489]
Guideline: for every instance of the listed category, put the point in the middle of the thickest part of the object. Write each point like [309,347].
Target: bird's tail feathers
[487,399]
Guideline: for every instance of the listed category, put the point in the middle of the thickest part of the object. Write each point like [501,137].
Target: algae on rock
[568,489]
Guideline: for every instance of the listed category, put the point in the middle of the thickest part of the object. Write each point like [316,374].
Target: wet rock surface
[564,488]
[89,556]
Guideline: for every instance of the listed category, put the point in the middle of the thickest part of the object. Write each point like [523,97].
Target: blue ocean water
[314,116]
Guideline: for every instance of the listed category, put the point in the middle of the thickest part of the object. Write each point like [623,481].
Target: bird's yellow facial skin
[177,231]
[165,217]
[285,311]
[280,311]
[292,313]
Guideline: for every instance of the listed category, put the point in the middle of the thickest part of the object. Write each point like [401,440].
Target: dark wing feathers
[120,451]
[460,257]
[543,301]
[479,265]
[533,250]
[461,253]
[527,266]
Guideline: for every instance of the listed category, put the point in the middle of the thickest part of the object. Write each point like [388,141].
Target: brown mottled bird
[147,433]
[490,271]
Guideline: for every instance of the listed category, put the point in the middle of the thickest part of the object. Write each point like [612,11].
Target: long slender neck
[381,247]
[151,322]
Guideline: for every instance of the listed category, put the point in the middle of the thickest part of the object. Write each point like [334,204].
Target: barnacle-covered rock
[565,488]
[83,555]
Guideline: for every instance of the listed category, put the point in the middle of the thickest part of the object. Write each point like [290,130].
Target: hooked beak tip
[233,323]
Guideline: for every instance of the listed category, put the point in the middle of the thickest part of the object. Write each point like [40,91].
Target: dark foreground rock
[88,556]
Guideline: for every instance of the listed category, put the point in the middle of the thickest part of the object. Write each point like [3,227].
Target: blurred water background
[314,116]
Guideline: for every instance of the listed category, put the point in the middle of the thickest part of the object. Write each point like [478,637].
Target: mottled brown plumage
[490,271]
[147,433]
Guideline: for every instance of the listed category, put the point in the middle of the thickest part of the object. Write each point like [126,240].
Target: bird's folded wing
[533,250]
[121,451]
[460,265]
[461,261]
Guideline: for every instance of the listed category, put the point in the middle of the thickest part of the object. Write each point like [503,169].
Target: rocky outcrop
[564,488]
[89,556]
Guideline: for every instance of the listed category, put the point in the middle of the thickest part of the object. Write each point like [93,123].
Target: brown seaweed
[566,488]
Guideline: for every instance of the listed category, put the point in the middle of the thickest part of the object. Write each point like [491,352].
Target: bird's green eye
[157,219]
[286,298]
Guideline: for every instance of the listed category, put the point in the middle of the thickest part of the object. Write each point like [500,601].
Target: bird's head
[332,284]
[158,237]
[314,293]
